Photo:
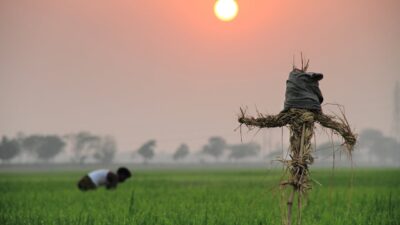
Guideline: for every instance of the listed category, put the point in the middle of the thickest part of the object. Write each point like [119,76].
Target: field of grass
[185,197]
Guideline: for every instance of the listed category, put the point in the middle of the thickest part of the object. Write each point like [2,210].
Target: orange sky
[170,70]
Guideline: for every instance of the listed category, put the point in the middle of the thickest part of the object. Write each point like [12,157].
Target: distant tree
[244,150]
[83,144]
[52,145]
[396,111]
[9,148]
[215,147]
[384,149]
[30,144]
[368,137]
[105,150]
[147,150]
[181,152]
[43,147]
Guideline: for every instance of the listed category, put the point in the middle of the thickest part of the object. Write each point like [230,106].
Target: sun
[226,10]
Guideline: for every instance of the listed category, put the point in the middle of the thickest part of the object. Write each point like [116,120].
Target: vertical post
[300,147]
[290,206]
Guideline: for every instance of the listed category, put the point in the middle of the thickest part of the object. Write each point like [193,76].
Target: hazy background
[170,71]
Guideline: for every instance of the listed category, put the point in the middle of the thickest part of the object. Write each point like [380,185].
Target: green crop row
[200,197]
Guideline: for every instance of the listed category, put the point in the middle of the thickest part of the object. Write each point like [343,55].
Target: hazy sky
[169,70]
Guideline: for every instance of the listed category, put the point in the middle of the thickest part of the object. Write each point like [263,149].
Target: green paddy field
[198,196]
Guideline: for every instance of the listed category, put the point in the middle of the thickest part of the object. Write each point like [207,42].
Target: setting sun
[226,10]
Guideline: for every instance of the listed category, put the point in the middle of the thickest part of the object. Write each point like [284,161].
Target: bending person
[103,177]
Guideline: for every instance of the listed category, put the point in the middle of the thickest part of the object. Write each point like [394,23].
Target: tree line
[215,148]
[46,147]
[86,146]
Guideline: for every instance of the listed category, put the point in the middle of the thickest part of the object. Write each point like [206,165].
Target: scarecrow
[302,109]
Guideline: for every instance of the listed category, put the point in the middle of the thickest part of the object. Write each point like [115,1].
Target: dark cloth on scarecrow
[302,91]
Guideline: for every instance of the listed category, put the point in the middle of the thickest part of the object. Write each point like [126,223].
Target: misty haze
[199,112]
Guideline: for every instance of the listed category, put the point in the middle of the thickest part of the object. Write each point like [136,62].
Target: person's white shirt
[99,177]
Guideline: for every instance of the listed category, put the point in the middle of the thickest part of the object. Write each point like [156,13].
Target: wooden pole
[290,206]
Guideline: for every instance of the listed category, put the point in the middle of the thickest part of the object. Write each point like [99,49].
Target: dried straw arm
[341,126]
[263,121]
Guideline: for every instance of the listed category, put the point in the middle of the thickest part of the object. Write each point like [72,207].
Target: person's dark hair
[122,171]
